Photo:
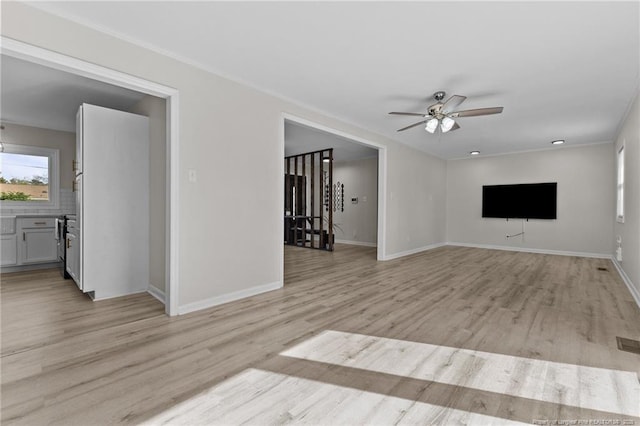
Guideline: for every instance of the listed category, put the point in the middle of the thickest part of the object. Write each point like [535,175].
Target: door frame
[42,56]
[382,176]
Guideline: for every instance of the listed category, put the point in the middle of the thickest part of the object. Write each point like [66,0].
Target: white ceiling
[38,96]
[300,139]
[560,69]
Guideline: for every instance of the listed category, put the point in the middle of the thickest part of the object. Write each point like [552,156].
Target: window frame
[54,177]
[620,170]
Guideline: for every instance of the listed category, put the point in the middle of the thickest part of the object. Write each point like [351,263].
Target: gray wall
[155,109]
[416,200]
[586,202]
[225,209]
[358,223]
[630,229]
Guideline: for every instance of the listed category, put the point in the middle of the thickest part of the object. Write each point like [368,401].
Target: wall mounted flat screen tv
[521,201]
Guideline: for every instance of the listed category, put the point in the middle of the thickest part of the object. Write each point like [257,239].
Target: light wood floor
[334,346]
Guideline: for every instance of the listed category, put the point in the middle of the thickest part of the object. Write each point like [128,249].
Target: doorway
[354,142]
[29,53]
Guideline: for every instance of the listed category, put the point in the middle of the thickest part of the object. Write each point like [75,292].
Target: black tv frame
[520,201]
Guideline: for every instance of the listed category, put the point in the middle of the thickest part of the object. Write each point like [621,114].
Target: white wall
[155,109]
[585,209]
[358,222]
[230,223]
[416,200]
[630,229]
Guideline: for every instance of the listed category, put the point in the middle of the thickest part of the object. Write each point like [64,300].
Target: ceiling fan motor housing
[439,95]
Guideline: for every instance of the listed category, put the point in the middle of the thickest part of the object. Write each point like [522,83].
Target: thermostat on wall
[354,200]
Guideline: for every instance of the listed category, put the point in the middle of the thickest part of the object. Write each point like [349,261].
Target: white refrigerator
[112,202]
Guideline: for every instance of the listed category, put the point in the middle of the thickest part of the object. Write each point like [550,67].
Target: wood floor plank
[68,360]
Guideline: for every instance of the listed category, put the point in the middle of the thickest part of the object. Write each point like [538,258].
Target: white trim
[48,58]
[280,202]
[382,174]
[413,251]
[156,292]
[228,297]
[172,252]
[382,204]
[627,281]
[356,243]
[533,250]
[528,151]
[8,269]
[30,53]
[93,297]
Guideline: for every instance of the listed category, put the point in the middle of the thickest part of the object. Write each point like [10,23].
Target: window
[28,177]
[620,189]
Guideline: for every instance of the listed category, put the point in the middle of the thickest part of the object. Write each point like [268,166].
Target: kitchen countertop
[28,215]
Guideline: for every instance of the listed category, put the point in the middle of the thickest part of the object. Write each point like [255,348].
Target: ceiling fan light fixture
[447,124]
[432,125]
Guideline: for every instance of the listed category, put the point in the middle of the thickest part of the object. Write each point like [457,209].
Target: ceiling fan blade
[453,103]
[413,125]
[476,112]
[417,114]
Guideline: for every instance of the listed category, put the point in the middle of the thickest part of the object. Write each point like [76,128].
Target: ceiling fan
[443,114]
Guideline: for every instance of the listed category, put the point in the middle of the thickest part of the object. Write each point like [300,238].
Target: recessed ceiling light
[558,142]
[475,153]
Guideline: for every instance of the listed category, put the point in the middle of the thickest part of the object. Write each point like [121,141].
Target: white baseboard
[627,281]
[229,297]
[357,243]
[34,267]
[156,292]
[533,250]
[107,295]
[412,251]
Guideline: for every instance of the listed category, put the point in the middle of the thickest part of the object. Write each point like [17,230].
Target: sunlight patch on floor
[613,391]
[264,398]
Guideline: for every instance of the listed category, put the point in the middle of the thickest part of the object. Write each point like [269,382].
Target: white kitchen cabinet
[28,241]
[38,243]
[9,250]
[9,241]
[73,259]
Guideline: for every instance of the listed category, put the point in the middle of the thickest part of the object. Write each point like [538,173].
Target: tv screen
[522,201]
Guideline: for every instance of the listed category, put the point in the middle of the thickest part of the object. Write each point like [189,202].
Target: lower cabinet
[9,250]
[73,259]
[28,241]
[39,246]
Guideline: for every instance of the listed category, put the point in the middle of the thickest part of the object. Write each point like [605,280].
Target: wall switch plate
[193,177]
[364,198]
[354,200]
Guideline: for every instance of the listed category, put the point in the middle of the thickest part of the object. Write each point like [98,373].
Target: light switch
[193,177]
